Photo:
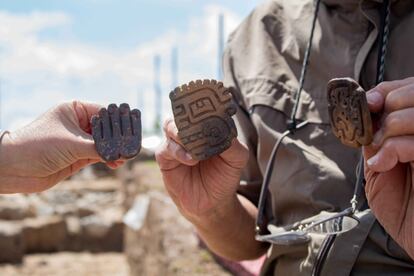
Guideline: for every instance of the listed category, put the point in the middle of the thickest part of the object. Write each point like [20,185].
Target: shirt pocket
[281,96]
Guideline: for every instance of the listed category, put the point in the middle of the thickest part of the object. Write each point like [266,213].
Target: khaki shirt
[313,171]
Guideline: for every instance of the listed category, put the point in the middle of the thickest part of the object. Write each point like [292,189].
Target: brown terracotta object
[202,112]
[349,113]
[117,132]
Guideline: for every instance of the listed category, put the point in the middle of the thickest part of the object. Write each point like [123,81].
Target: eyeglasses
[299,233]
[325,223]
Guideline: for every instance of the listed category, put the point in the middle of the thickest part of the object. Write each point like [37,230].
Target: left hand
[389,161]
[55,146]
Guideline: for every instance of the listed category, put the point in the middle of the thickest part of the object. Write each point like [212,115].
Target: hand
[55,146]
[205,192]
[199,189]
[390,161]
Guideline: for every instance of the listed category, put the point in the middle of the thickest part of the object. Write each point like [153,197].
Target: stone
[202,112]
[136,216]
[44,234]
[15,207]
[103,232]
[74,234]
[11,242]
[349,113]
[117,132]
[40,205]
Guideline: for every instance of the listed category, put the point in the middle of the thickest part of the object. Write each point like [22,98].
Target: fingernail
[377,138]
[374,98]
[188,157]
[373,160]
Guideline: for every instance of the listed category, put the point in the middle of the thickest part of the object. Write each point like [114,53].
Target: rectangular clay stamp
[202,112]
[349,113]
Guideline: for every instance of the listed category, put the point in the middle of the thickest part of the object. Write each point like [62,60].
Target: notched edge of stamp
[230,110]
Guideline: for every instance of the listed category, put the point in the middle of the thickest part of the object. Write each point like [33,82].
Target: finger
[237,155]
[84,112]
[115,164]
[125,119]
[395,150]
[400,98]
[386,193]
[398,123]
[120,163]
[386,87]
[170,155]
[113,112]
[106,125]
[84,148]
[171,130]
[136,122]
[376,96]
[375,101]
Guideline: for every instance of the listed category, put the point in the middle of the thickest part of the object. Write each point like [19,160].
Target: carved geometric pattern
[349,113]
[202,112]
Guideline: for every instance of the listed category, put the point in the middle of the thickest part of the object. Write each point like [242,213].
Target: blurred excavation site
[103,222]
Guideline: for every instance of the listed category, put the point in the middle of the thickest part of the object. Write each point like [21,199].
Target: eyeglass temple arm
[260,221]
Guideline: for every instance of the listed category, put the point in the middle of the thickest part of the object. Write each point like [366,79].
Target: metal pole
[158,93]
[1,106]
[141,105]
[174,68]
[220,45]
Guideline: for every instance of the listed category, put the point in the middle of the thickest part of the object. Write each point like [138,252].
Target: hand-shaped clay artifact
[117,132]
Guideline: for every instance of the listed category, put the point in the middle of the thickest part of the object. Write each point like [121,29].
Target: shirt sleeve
[251,179]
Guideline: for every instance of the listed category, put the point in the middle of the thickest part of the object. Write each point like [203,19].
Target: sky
[103,51]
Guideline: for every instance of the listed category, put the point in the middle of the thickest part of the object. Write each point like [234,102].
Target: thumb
[84,147]
[237,155]
[84,112]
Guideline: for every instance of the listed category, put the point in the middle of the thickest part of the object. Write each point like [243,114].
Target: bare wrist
[218,215]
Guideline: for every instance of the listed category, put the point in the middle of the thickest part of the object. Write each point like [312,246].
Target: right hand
[55,146]
[200,188]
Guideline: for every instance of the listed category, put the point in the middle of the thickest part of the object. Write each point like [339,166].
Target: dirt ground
[166,245]
[69,264]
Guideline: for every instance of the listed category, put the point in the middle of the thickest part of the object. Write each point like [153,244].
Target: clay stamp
[117,132]
[349,113]
[202,112]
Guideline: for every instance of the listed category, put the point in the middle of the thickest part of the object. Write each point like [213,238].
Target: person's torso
[313,171]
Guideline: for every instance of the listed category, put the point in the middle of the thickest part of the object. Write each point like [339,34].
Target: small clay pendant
[349,113]
[202,112]
[117,132]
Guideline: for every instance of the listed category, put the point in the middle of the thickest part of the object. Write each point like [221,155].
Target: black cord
[383,40]
[292,122]
[291,128]
[260,221]
[381,62]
